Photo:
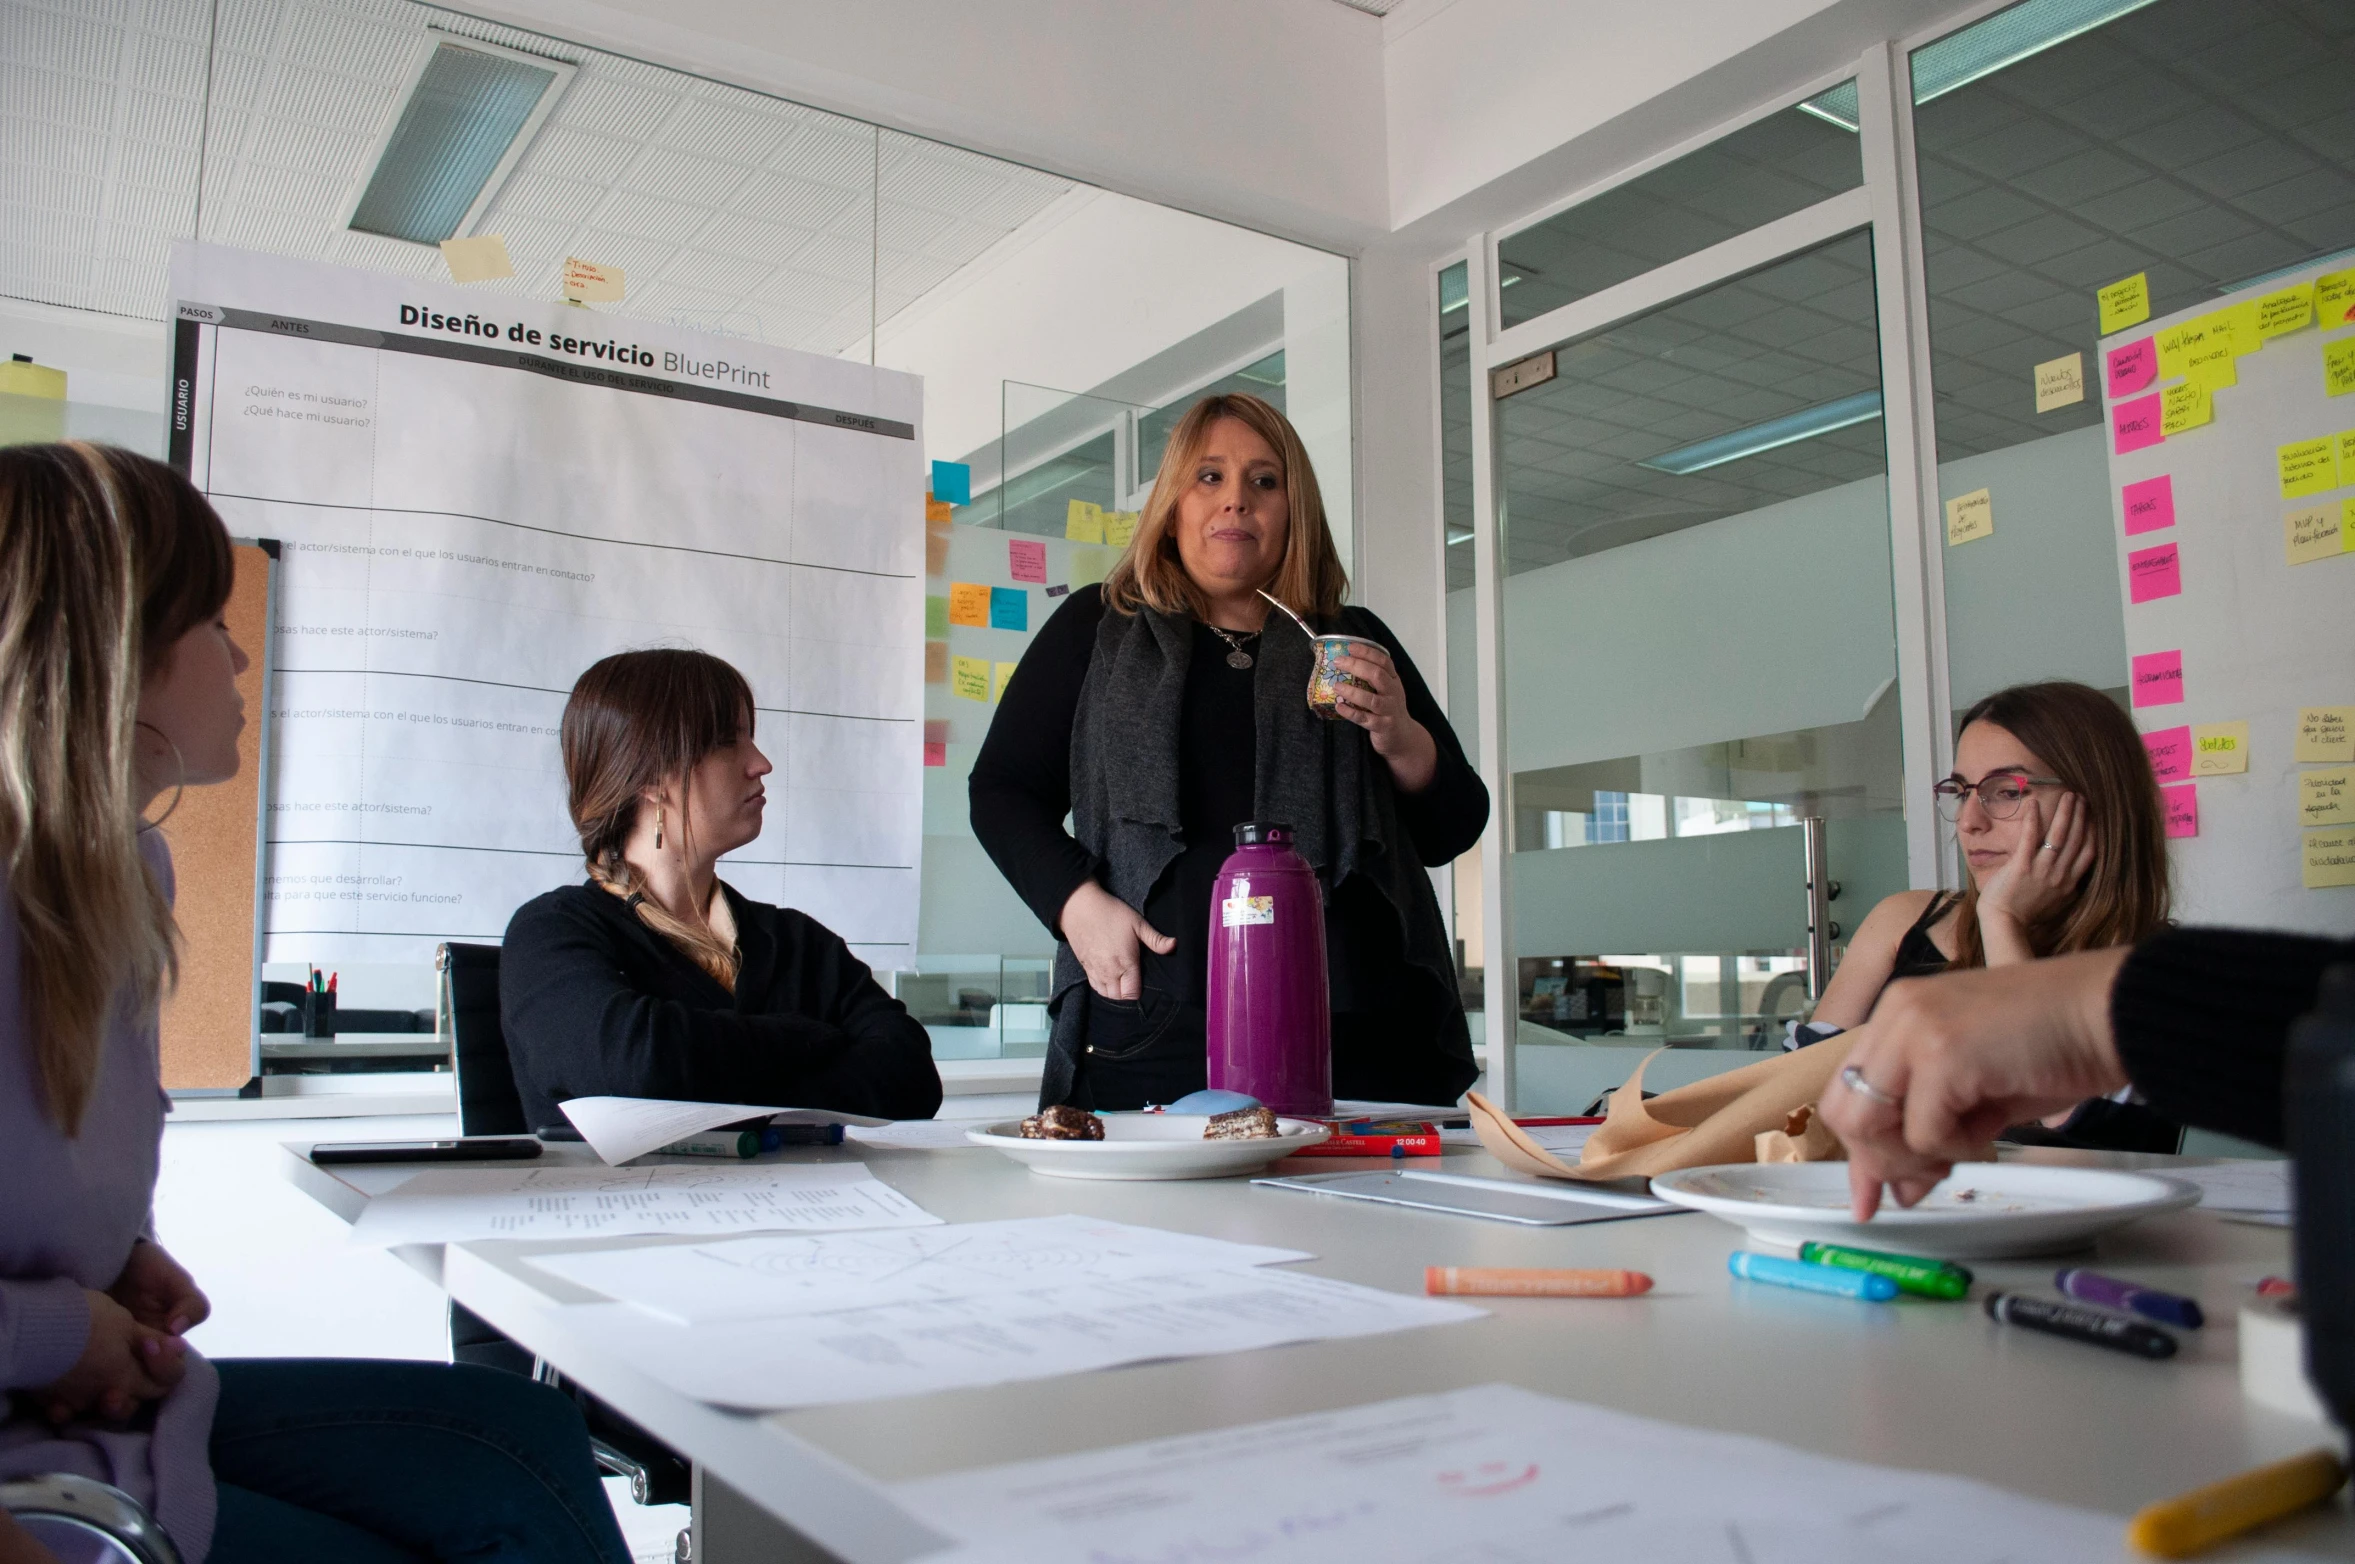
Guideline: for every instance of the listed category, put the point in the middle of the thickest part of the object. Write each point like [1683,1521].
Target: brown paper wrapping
[1762,1112]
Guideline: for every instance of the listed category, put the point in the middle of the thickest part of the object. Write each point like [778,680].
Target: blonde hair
[1310,579]
[106,560]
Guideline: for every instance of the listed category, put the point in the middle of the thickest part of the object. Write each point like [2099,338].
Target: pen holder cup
[318,1015]
[1325,679]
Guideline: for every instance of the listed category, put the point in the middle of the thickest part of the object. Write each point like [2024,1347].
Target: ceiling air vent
[471,109]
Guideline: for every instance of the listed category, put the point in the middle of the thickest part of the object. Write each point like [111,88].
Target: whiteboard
[479,496]
[2260,638]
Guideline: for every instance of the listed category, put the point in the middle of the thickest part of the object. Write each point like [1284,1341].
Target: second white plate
[1149,1146]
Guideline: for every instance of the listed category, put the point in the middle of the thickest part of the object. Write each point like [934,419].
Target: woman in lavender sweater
[117,688]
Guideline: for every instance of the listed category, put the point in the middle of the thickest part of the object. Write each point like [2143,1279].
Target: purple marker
[2112,1293]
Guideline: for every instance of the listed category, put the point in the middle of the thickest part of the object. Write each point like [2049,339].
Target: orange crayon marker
[1516,1282]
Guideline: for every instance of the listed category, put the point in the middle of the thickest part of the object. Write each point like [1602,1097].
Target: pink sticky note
[2132,366]
[2153,572]
[2158,679]
[2136,424]
[936,754]
[2170,753]
[2150,504]
[1026,558]
[2183,808]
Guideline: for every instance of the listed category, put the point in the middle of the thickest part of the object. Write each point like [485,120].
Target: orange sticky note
[969,604]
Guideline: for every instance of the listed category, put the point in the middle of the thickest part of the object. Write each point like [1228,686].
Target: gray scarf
[1321,778]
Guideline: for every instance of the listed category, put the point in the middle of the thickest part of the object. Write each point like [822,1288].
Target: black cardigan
[594,1003]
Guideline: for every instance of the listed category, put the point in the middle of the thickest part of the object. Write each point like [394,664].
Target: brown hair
[2095,752]
[106,559]
[635,721]
[1310,579]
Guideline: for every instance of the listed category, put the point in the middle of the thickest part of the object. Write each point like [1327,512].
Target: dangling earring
[658,825]
[179,788]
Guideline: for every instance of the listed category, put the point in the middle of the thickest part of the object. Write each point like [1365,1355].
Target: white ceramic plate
[1148,1145]
[1983,1211]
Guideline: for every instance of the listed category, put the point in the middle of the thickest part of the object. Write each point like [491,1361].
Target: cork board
[215,837]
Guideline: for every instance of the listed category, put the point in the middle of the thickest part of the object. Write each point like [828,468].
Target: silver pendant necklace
[1236,656]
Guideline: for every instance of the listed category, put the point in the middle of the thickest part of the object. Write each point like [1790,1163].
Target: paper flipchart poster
[479,496]
[2230,498]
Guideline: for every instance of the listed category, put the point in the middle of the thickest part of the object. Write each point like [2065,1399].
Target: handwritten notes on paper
[2170,752]
[2185,406]
[2338,367]
[937,510]
[2312,533]
[2334,298]
[2279,314]
[2153,573]
[2329,859]
[1970,517]
[586,282]
[2182,803]
[458,1205]
[1083,522]
[2327,797]
[2325,733]
[2212,367]
[2136,424]
[2060,382]
[2150,504]
[2124,303]
[969,604]
[2158,679]
[1009,608]
[2132,367]
[1026,560]
[482,258]
[969,678]
[2307,466]
[2219,749]
[1120,526]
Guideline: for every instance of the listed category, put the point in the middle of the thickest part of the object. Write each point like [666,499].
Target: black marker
[2078,1323]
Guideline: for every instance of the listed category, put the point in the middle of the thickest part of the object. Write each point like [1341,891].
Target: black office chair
[488,1104]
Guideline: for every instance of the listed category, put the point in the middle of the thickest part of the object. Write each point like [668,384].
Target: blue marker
[1810,1278]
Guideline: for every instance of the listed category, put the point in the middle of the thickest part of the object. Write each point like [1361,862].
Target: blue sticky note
[953,482]
[1009,608]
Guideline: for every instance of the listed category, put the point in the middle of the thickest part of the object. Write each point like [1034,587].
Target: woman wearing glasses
[2064,837]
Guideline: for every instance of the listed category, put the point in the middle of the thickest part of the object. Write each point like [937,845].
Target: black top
[2202,1018]
[595,1004]
[1021,793]
[1917,954]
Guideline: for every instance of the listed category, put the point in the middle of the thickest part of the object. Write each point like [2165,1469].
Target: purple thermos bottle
[1270,1024]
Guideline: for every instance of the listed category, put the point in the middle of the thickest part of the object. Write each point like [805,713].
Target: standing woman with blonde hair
[118,690]
[1168,707]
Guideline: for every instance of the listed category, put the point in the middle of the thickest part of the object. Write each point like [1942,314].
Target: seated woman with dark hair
[657,979]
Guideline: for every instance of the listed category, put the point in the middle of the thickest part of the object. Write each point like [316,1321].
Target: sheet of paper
[953,482]
[1970,517]
[1083,521]
[2219,749]
[2240,1186]
[591,283]
[777,1277]
[2308,466]
[454,1205]
[1563,1140]
[2135,424]
[2158,679]
[2327,796]
[2170,751]
[2291,309]
[2150,504]
[969,678]
[916,1134]
[2182,803]
[2338,367]
[2327,859]
[2326,733]
[482,258]
[969,604]
[916,1348]
[2124,303]
[1009,608]
[2131,367]
[619,1128]
[1491,1473]
[2153,573]
[2312,532]
[2185,406]
[1026,560]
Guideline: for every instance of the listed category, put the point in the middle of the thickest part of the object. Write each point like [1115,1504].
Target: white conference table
[1927,1385]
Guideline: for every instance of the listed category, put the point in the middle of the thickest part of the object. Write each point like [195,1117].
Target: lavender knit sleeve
[43,1327]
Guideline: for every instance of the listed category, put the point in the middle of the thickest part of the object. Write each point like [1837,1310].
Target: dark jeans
[1140,1051]
[368,1462]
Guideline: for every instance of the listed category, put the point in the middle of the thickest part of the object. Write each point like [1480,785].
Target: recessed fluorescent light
[1454,292]
[1805,424]
[2279,272]
[1453,538]
[470,111]
[2004,39]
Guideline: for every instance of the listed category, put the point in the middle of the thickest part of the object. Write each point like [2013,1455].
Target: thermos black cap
[1257,833]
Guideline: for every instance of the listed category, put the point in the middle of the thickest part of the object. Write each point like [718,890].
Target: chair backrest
[72,1515]
[488,1103]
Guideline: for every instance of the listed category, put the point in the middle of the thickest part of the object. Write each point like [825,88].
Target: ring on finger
[1853,1078]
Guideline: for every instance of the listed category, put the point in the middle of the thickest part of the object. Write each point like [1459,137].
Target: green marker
[1924,1278]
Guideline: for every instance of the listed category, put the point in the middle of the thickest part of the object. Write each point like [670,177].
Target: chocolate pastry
[1063,1122]
[1242,1124]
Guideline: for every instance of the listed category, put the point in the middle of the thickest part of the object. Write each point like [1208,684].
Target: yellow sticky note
[969,678]
[2173,343]
[590,283]
[2219,749]
[2060,382]
[999,674]
[2307,467]
[2347,526]
[1970,517]
[969,604]
[1083,521]
[2124,303]
[1090,565]
[2330,858]
[482,258]
[1119,527]
[2240,324]
[2334,298]
[2279,314]
[2338,367]
[2211,365]
[2313,533]
[2327,797]
[2186,406]
[2325,733]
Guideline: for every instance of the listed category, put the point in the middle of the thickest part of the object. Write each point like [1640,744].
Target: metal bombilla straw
[1288,614]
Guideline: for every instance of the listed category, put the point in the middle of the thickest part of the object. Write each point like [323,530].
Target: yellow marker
[2338,367]
[2124,303]
[2182,1526]
[2308,467]
[2219,749]
[2316,532]
[2329,859]
[2279,314]
[1083,522]
[2325,733]
[2186,406]
[1970,517]
[2327,796]
[969,678]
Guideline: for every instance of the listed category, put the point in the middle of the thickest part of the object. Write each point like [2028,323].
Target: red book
[1377,1138]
